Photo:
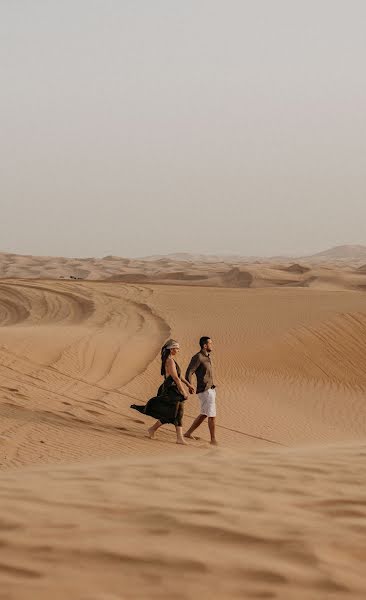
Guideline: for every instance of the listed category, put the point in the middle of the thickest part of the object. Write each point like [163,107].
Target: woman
[168,405]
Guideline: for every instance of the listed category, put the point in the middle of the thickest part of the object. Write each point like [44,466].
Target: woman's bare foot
[151,433]
[181,442]
[214,443]
[190,437]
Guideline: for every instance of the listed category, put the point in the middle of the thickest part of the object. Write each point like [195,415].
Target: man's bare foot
[151,433]
[214,443]
[190,437]
[182,442]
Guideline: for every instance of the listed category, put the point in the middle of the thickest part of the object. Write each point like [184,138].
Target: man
[201,366]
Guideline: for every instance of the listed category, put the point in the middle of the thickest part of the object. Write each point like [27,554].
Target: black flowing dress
[168,405]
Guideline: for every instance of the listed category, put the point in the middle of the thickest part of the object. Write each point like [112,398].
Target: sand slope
[268,524]
[63,347]
[277,511]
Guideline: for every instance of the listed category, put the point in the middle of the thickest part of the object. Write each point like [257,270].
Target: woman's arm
[171,369]
[189,385]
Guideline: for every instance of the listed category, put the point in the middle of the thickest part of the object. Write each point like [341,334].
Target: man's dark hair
[204,340]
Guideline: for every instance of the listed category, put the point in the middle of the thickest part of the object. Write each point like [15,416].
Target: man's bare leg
[196,423]
[211,426]
[151,430]
[180,438]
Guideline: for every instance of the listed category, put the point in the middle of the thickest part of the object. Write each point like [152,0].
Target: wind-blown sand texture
[91,509]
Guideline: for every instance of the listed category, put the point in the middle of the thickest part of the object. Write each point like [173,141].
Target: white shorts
[208,402]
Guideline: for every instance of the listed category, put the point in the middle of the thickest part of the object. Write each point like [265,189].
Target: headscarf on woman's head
[170,344]
[165,351]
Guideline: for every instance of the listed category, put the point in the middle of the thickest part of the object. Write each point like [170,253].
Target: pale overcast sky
[135,127]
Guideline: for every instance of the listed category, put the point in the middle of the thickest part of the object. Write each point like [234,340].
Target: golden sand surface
[91,509]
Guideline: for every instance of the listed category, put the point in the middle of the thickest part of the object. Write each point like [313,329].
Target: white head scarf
[170,344]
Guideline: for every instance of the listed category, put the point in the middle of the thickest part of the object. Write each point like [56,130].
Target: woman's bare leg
[151,430]
[180,438]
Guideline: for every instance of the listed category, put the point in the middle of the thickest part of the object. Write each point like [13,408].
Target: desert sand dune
[73,345]
[96,345]
[268,524]
[92,509]
[333,269]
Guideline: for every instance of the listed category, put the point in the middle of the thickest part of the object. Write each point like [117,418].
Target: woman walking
[168,405]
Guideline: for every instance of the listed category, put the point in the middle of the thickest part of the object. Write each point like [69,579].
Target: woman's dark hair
[165,352]
[204,340]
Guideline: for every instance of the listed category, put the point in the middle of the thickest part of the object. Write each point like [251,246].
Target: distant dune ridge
[343,266]
[350,252]
[91,509]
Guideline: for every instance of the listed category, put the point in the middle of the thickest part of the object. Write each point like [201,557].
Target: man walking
[201,366]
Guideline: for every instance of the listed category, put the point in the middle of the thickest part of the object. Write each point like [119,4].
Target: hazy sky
[135,127]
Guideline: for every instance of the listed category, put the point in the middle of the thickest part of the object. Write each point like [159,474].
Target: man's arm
[192,367]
